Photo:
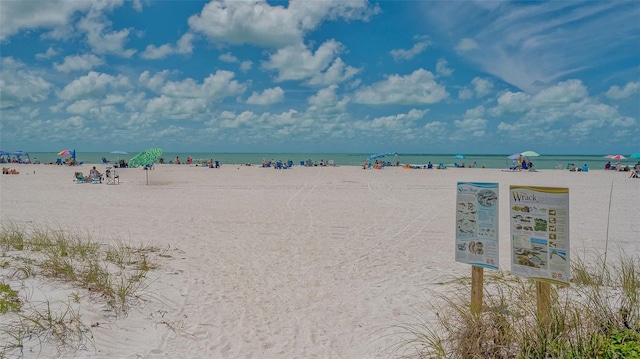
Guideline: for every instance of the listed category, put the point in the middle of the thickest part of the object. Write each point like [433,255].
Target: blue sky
[475,77]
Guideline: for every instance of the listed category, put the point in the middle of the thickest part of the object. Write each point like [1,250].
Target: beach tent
[17,154]
[21,153]
[375,156]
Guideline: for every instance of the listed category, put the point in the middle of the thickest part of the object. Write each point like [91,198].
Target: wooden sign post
[477,279]
[543,291]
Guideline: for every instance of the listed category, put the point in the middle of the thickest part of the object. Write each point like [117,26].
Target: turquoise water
[345,159]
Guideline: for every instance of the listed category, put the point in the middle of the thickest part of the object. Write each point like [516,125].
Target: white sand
[297,263]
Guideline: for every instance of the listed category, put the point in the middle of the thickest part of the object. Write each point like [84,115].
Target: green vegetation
[598,316]
[8,299]
[113,274]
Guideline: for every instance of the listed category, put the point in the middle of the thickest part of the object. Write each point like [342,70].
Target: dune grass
[112,273]
[598,316]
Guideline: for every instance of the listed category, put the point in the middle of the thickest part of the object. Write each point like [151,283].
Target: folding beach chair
[80,178]
[112,177]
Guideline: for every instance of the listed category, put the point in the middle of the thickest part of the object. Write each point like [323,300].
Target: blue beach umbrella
[120,153]
[635,155]
[459,156]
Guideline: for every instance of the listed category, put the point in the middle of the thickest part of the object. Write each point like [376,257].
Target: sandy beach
[296,263]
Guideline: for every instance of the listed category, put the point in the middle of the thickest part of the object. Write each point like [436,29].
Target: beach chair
[441,166]
[80,178]
[111,176]
[105,160]
[59,161]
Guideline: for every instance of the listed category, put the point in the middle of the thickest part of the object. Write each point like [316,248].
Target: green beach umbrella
[146,157]
[530,154]
[635,155]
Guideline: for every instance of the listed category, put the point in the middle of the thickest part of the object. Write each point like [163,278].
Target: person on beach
[607,166]
[177,161]
[520,159]
[94,175]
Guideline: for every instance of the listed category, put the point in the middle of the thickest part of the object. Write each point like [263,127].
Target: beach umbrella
[459,156]
[617,157]
[146,157]
[64,153]
[120,153]
[635,155]
[530,154]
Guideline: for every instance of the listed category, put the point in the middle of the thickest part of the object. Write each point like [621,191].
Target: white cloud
[229,119]
[532,44]
[20,85]
[93,85]
[153,52]
[267,97]
[79,63]
[402,54]
[246,65]
[560,109]
[184,45]
[471,124]
[100,37]
[417,88]
[474,112]
[51,52]
[466,44]
[215,86]
[562,92]
[436,129]
[30,15]
[336,73]
[319,68]
[465,93]
[258,23]
[180,108]
[137,5]
[442,69]
[327,101]
[618,93]
[482,87]
[228,57]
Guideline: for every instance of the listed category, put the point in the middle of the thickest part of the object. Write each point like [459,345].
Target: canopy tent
[514,158]
[18,156]
[382,155]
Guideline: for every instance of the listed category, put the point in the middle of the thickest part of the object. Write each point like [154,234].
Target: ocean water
[346,159]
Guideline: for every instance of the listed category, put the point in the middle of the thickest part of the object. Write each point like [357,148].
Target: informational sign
[477,224]
[540,233]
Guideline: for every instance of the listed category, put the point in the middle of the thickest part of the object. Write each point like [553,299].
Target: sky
[355,76]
